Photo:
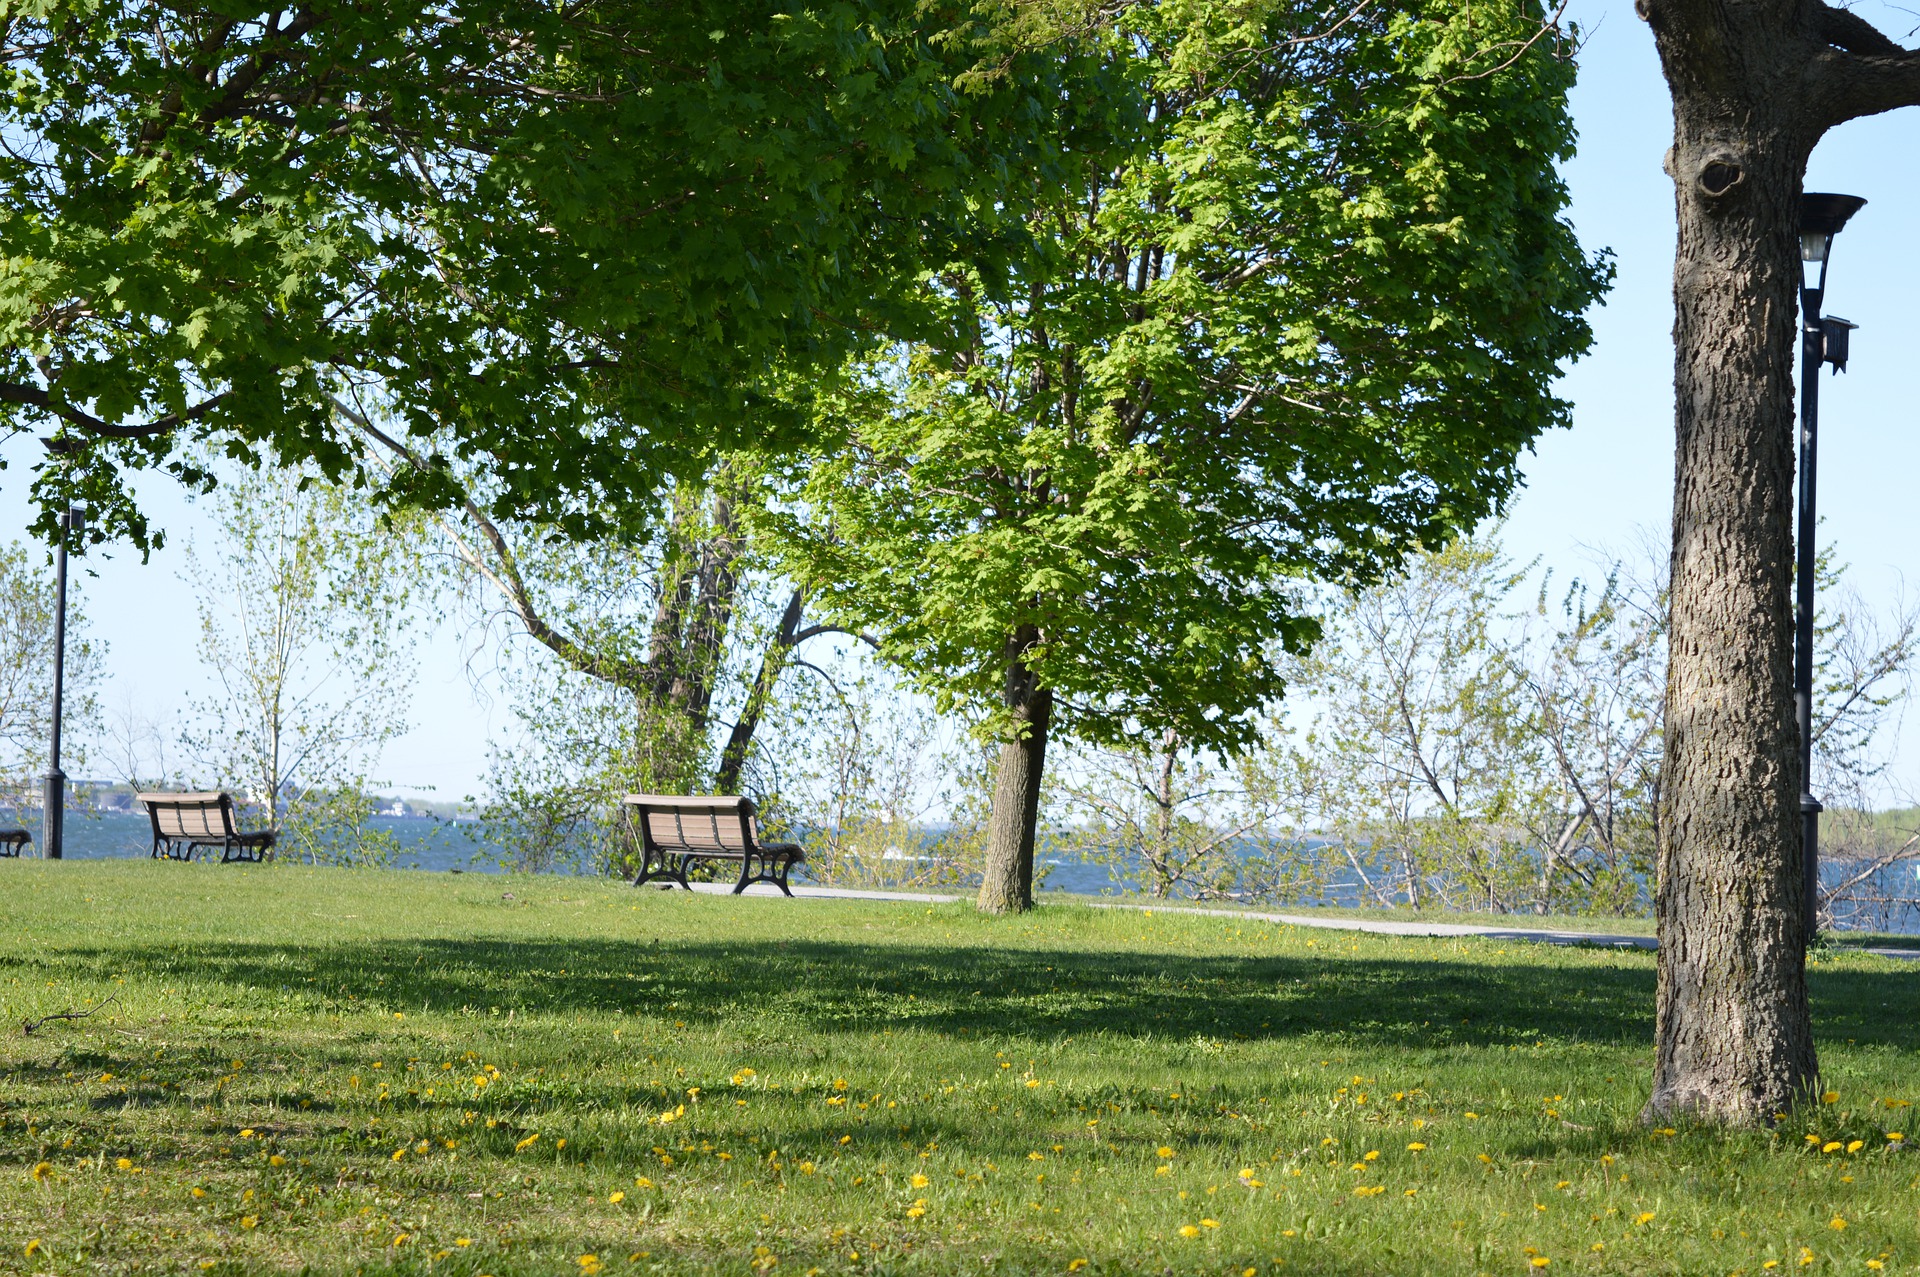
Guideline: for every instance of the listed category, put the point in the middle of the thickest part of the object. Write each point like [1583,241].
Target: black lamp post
[54,795]
[1822,340]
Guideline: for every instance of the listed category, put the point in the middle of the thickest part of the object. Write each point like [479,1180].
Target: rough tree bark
[1754,84]
[1007,886]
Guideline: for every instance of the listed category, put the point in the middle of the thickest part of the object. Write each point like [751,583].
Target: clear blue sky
[1595,485]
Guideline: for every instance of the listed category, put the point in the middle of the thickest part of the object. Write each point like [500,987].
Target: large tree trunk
[1734,1039]
[1008,884]
[1755,83]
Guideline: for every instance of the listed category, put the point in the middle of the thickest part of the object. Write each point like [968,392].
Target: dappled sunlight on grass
[354,1070]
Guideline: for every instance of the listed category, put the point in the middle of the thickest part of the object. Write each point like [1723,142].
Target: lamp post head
[1821,217]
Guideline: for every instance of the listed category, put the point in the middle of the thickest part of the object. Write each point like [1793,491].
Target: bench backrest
[700,824]
[203,815]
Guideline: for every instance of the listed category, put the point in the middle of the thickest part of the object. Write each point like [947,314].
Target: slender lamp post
[54,796]
[1822,340]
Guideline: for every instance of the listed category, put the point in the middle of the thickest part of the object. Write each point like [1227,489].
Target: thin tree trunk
[1734,1041]
[1008,884]
[772,662]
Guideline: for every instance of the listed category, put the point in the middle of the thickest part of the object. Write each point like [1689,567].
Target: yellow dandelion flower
[42,1169]
[1540,1261]
[616,1197]
[1875,1264]
[1036,1157]
[919,1181]
[1209,1223]
[1831,1097]
[1836,1223]
[527,1143]
[1597,1247]
[1831,1146]
[807,1168]
[589,1264]
[249,1221]
[1188,1230]
[399,1153]
[401,1239]
[1484,1158]
[1644,1217]
[1416,1147]
[1076,1265]
[1854,1146]
[1164,1151]
[1166,1168]
[1895,1136]
[1771,1263]
[33,1247]
[641,1181]
[463,1242]
[124,1163]
[246,1133]
[276,1160]
[198,1192]
[1372,1155]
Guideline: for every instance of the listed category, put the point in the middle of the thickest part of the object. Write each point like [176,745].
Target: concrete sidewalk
[1532,935]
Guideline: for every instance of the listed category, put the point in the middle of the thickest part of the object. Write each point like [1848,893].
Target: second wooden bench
[673,833]
[185,823]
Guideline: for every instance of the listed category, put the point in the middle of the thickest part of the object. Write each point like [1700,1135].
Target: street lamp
[1822,340]
[54,795]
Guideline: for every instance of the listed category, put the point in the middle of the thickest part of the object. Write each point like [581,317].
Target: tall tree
[1755,84]
[305,627]
[570,239]
[26,666]
[1297,311]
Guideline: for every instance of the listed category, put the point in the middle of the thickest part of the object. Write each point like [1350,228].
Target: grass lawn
[341,1071]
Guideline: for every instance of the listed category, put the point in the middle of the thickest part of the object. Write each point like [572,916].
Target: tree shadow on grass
[835,986]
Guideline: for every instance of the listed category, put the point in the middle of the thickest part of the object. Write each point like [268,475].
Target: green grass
[286,1080]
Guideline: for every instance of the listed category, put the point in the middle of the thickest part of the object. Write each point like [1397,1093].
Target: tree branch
[507,579]
[34,397]
[1862,70]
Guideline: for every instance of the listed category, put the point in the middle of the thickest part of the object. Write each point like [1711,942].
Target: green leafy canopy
[566,242]
[1300,313]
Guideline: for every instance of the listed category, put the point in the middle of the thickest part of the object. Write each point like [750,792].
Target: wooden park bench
[184,823]
[675,833]
[13,842]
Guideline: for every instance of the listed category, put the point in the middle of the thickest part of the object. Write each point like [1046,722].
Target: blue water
[457,845]
[118,835]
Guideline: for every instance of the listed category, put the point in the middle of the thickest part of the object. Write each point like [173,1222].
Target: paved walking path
[1533,935]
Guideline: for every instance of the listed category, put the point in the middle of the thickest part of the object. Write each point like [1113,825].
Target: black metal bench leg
[747,875]
[780,874]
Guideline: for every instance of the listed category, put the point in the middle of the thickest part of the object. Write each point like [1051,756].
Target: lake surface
[440,846]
